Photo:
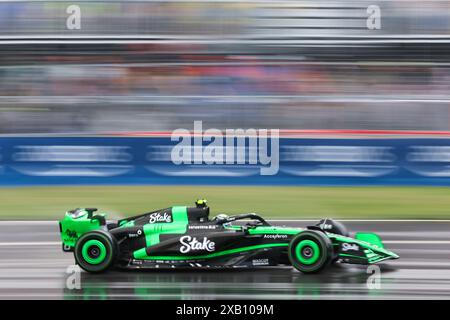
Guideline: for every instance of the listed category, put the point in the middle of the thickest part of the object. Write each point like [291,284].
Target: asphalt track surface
[32,266]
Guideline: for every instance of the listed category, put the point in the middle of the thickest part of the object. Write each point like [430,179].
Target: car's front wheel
[310,251]
[95,251]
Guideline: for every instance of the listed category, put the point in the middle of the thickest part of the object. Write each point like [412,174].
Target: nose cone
[394,256]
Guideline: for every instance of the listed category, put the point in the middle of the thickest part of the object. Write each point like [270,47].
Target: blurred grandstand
[160,65]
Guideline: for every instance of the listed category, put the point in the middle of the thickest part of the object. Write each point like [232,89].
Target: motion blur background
[267,64]
[140,67]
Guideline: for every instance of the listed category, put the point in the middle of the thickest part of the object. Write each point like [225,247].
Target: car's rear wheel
[310,251]
[95,251]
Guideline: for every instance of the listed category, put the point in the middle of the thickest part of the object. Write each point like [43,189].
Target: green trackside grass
[271,202]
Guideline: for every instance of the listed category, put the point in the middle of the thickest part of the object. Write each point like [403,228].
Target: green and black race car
[185,237]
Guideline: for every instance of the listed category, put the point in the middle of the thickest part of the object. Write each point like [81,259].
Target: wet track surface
[32,266]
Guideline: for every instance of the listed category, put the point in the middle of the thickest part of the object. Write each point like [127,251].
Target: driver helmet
[201,203]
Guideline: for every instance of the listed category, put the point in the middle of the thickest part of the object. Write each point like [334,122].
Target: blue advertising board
[148,160]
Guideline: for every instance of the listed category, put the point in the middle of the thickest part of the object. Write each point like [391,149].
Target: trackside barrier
[147,160]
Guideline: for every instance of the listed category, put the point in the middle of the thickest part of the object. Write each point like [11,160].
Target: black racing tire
[336,227]
[310,251]
[95,251]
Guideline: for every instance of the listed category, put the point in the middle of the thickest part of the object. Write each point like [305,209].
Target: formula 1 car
[185,237]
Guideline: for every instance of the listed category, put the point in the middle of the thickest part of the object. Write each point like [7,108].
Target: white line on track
[26,244]
[27,222]
[361,220]
[417,242]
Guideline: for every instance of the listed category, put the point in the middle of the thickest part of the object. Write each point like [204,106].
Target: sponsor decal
[157,217]
[339,161]
[260,262]
[71,234]
[202,227]
[189,243]
[429,161]
[72,161]
[275,236]
[350,246]
[135,235]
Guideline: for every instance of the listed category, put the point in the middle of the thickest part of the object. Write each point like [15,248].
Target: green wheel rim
[101,248]
[312,246]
